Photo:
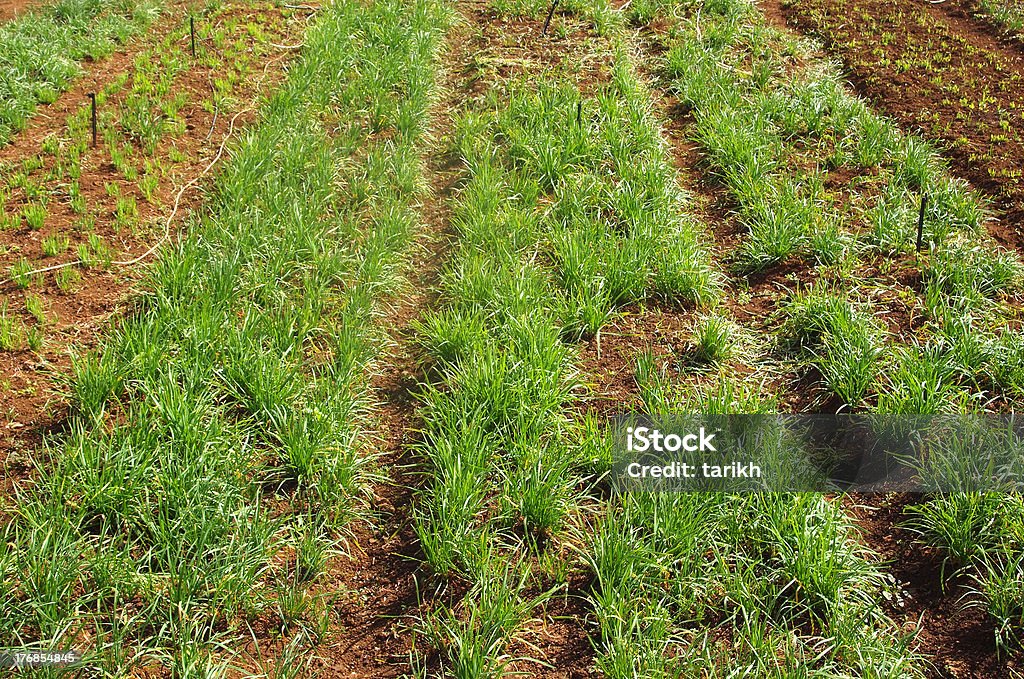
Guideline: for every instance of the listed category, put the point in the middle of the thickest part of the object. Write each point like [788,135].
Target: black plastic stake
[579,113]
[92,98]
[192,31]
[920,221]
[551,13]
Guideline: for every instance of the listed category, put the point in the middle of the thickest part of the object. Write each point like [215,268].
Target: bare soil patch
[9,9]
[561,637]
[608,360]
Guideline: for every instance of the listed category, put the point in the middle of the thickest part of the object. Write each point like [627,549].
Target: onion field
[320,325]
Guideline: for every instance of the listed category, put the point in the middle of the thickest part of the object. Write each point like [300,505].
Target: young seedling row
[75,219]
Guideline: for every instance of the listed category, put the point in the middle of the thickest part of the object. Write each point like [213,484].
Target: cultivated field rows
[39,52]
[74,213]
[354,420]
[150,533]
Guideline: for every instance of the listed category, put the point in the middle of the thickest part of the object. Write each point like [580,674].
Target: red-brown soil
[939,71]
[608,360]
[32,401]
[958,638]
[560,637]
[10,9]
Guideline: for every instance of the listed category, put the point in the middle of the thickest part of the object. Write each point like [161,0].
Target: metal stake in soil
[579,113]
[920,221]
[192,32]
[551,13]
[92,99]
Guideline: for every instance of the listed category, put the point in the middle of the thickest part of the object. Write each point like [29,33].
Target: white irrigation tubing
[313,11]
[177,198]
[213,125]
[167,222]
[181,192]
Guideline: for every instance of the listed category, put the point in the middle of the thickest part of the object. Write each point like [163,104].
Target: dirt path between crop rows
[33,403]
[958,638]
[935,69]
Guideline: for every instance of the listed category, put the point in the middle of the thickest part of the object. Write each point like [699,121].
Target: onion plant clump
[982,537]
